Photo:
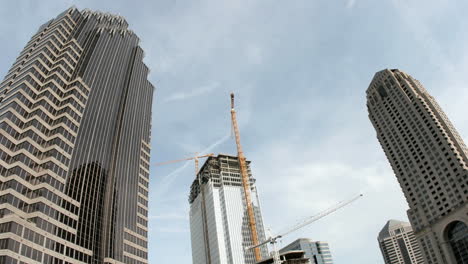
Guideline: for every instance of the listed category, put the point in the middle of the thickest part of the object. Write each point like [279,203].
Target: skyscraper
[219,225]
[75,114]
[398,244]
[429,159]
[318,252]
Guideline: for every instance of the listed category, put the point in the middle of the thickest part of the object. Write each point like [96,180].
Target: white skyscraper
[398,244]
[318,252]
[219,224]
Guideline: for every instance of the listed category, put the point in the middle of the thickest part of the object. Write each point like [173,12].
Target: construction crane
[202,191]
[245,182]
[299,225]
[191,158]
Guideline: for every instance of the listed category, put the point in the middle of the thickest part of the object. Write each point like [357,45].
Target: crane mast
[245,182]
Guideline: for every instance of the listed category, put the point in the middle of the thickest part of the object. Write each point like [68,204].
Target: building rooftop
[206,173]
[390,226]
[293,257]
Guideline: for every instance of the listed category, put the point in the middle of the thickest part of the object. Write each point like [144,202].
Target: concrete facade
[429,159]
[218,216]
[398,244]
[75,117]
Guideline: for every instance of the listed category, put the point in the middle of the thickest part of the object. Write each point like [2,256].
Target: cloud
[302,180]
[254,54]
[416,18]
[325,183]
[225,41]
[451,76]
[351,3]
[326,152]
[168,180]
[171,230]
[179,96]
[170,216]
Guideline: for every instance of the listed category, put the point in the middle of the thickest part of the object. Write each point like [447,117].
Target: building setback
[398,244]
[219,225]
[318,252]
[429,159]
[75,117]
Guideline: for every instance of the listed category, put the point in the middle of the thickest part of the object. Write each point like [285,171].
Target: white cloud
[351,3]
[254,54]
[195,32]
[325,183]
[171,216]
[449,85]
[171,230]
[168,180]
[296,191]
[415,17]
[189,94]
[211,39]
[297,181]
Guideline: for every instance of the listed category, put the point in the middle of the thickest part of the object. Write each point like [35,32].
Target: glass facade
[219,226]
[75,117]
[318,252]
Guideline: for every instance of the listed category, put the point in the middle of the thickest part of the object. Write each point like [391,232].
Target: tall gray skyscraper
[398,244]
[429,159]
[75,117]
[318,252]
[219,225]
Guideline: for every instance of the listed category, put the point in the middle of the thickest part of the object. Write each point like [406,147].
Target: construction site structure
[245,182]
[318,252]
[228,229]
[289,257]
[305,222]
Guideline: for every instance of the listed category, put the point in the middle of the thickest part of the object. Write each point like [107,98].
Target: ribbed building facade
[75,117]
[429,159]
[398,244]
[219,224]
[318,252]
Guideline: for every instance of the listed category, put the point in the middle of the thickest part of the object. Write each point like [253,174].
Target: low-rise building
[289,257]
[317,251]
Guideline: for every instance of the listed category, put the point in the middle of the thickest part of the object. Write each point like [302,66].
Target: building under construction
[219,221]
[290,257]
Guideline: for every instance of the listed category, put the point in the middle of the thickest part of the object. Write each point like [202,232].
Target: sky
[299,70]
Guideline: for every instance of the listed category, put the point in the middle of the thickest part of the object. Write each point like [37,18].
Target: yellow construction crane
[202,191]
[245,182]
